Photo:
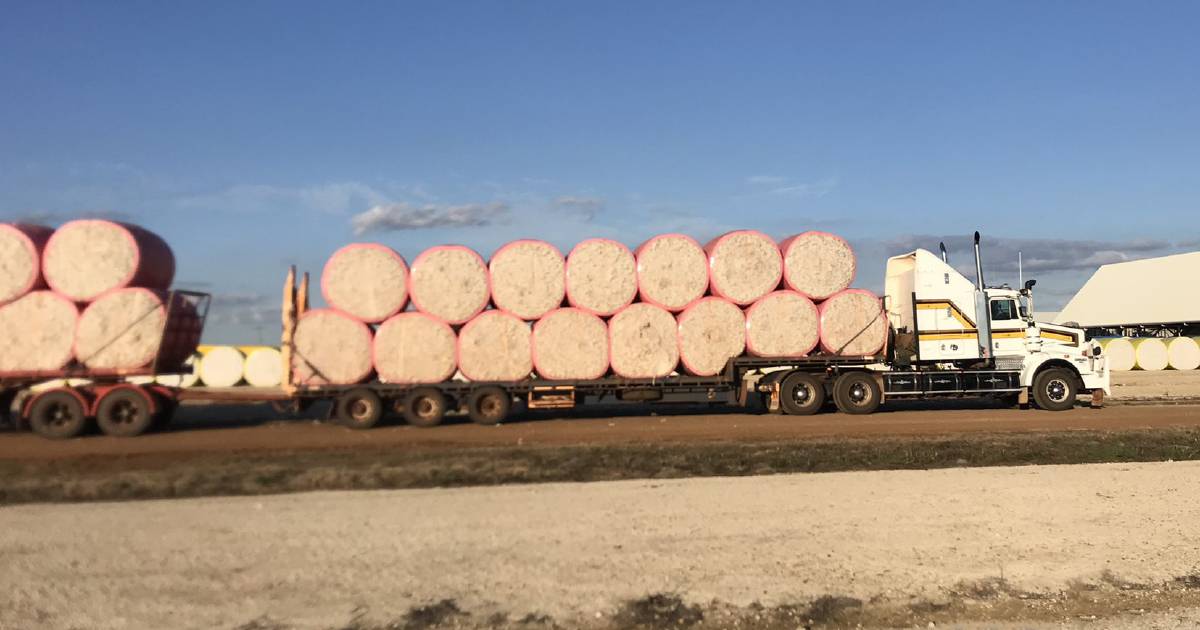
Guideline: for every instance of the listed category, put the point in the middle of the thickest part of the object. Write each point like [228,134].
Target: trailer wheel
[359,408]
[124,413]
[488,405]
[57,415]
[856,393]
[425,407]
[801,394]
[1055,389]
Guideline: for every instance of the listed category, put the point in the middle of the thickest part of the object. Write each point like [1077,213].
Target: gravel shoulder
[576,552]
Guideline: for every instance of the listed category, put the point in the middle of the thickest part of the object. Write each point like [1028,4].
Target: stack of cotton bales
[1151,354]
[91,293]
[669,305]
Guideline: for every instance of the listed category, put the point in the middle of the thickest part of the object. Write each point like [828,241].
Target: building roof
[1162,290]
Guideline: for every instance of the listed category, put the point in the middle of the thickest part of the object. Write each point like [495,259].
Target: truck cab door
[1008,329]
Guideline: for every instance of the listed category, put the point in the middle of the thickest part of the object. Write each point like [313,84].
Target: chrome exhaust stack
[983,320]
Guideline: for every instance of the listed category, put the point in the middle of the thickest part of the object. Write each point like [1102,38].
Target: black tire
[857,393]
[57,415]
[425,407]
[488,405]
[124,413]
[801,394]
[359,408]
[1055,389]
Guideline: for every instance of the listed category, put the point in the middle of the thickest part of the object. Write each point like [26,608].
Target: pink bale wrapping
[414,348]
[495,346]
[21,246]
[129,329]
[37,332]
[331,348]
[86,258]
[853,323]
[449,282]
[782,324]
[642,342]
[601,276]
[528,278]
[817,264]
[570,343]
[711,332]
[672,271]
[743,266]
[367,281]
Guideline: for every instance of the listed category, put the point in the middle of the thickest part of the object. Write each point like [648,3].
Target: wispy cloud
[242,309]
[584,207]
[393,217]
[332,198]
[1038,255]
[787,186]
[765,180]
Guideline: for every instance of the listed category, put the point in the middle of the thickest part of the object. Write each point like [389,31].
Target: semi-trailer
[948,337]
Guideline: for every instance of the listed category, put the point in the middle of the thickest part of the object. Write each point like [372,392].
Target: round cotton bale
[782,324]
[189,376]
[672,271]
[366,281]
[817,264]
[37,331]
[222,366]
[643,342]
[414,348]
[21,248]
[331,348]
[1150,354]
[495,346]
[1119,352]
[743,266]
[449,282]
[852,323]
[601,276]
[122,330]
[1183,353]
[528,278]
[263,367]
[570,343]
[86,258]
[711,332]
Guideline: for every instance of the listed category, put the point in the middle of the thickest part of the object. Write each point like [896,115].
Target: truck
[948,337]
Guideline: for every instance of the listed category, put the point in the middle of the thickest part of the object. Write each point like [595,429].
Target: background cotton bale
[222,366]
[601,276]
[495,346]
[415,348]
[711,331]
[449,282]
[528,278]
[570,343]
[21,259]
[86,258]
[331,348]
[782,324]
[743,266]
[852,323]
[643,342]
[367,281]
[1150,354]
[1183,353]
[128,329]
[37,332]
[817,264]
[187,376]
[1119,352]
[672,271]
[263,367]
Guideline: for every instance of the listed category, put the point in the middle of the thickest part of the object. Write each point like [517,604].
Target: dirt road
[918,541]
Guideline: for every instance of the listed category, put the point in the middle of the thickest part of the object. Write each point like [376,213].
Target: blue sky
[254,135]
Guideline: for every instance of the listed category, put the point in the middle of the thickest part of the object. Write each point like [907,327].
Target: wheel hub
[1057,390]
[858,393]
[802,394]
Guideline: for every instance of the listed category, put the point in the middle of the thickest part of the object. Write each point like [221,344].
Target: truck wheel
[124,413]
[1055,389]
[359,408]
[856,393]
[57,415]
[425,407]
[488,405]
[801,394]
